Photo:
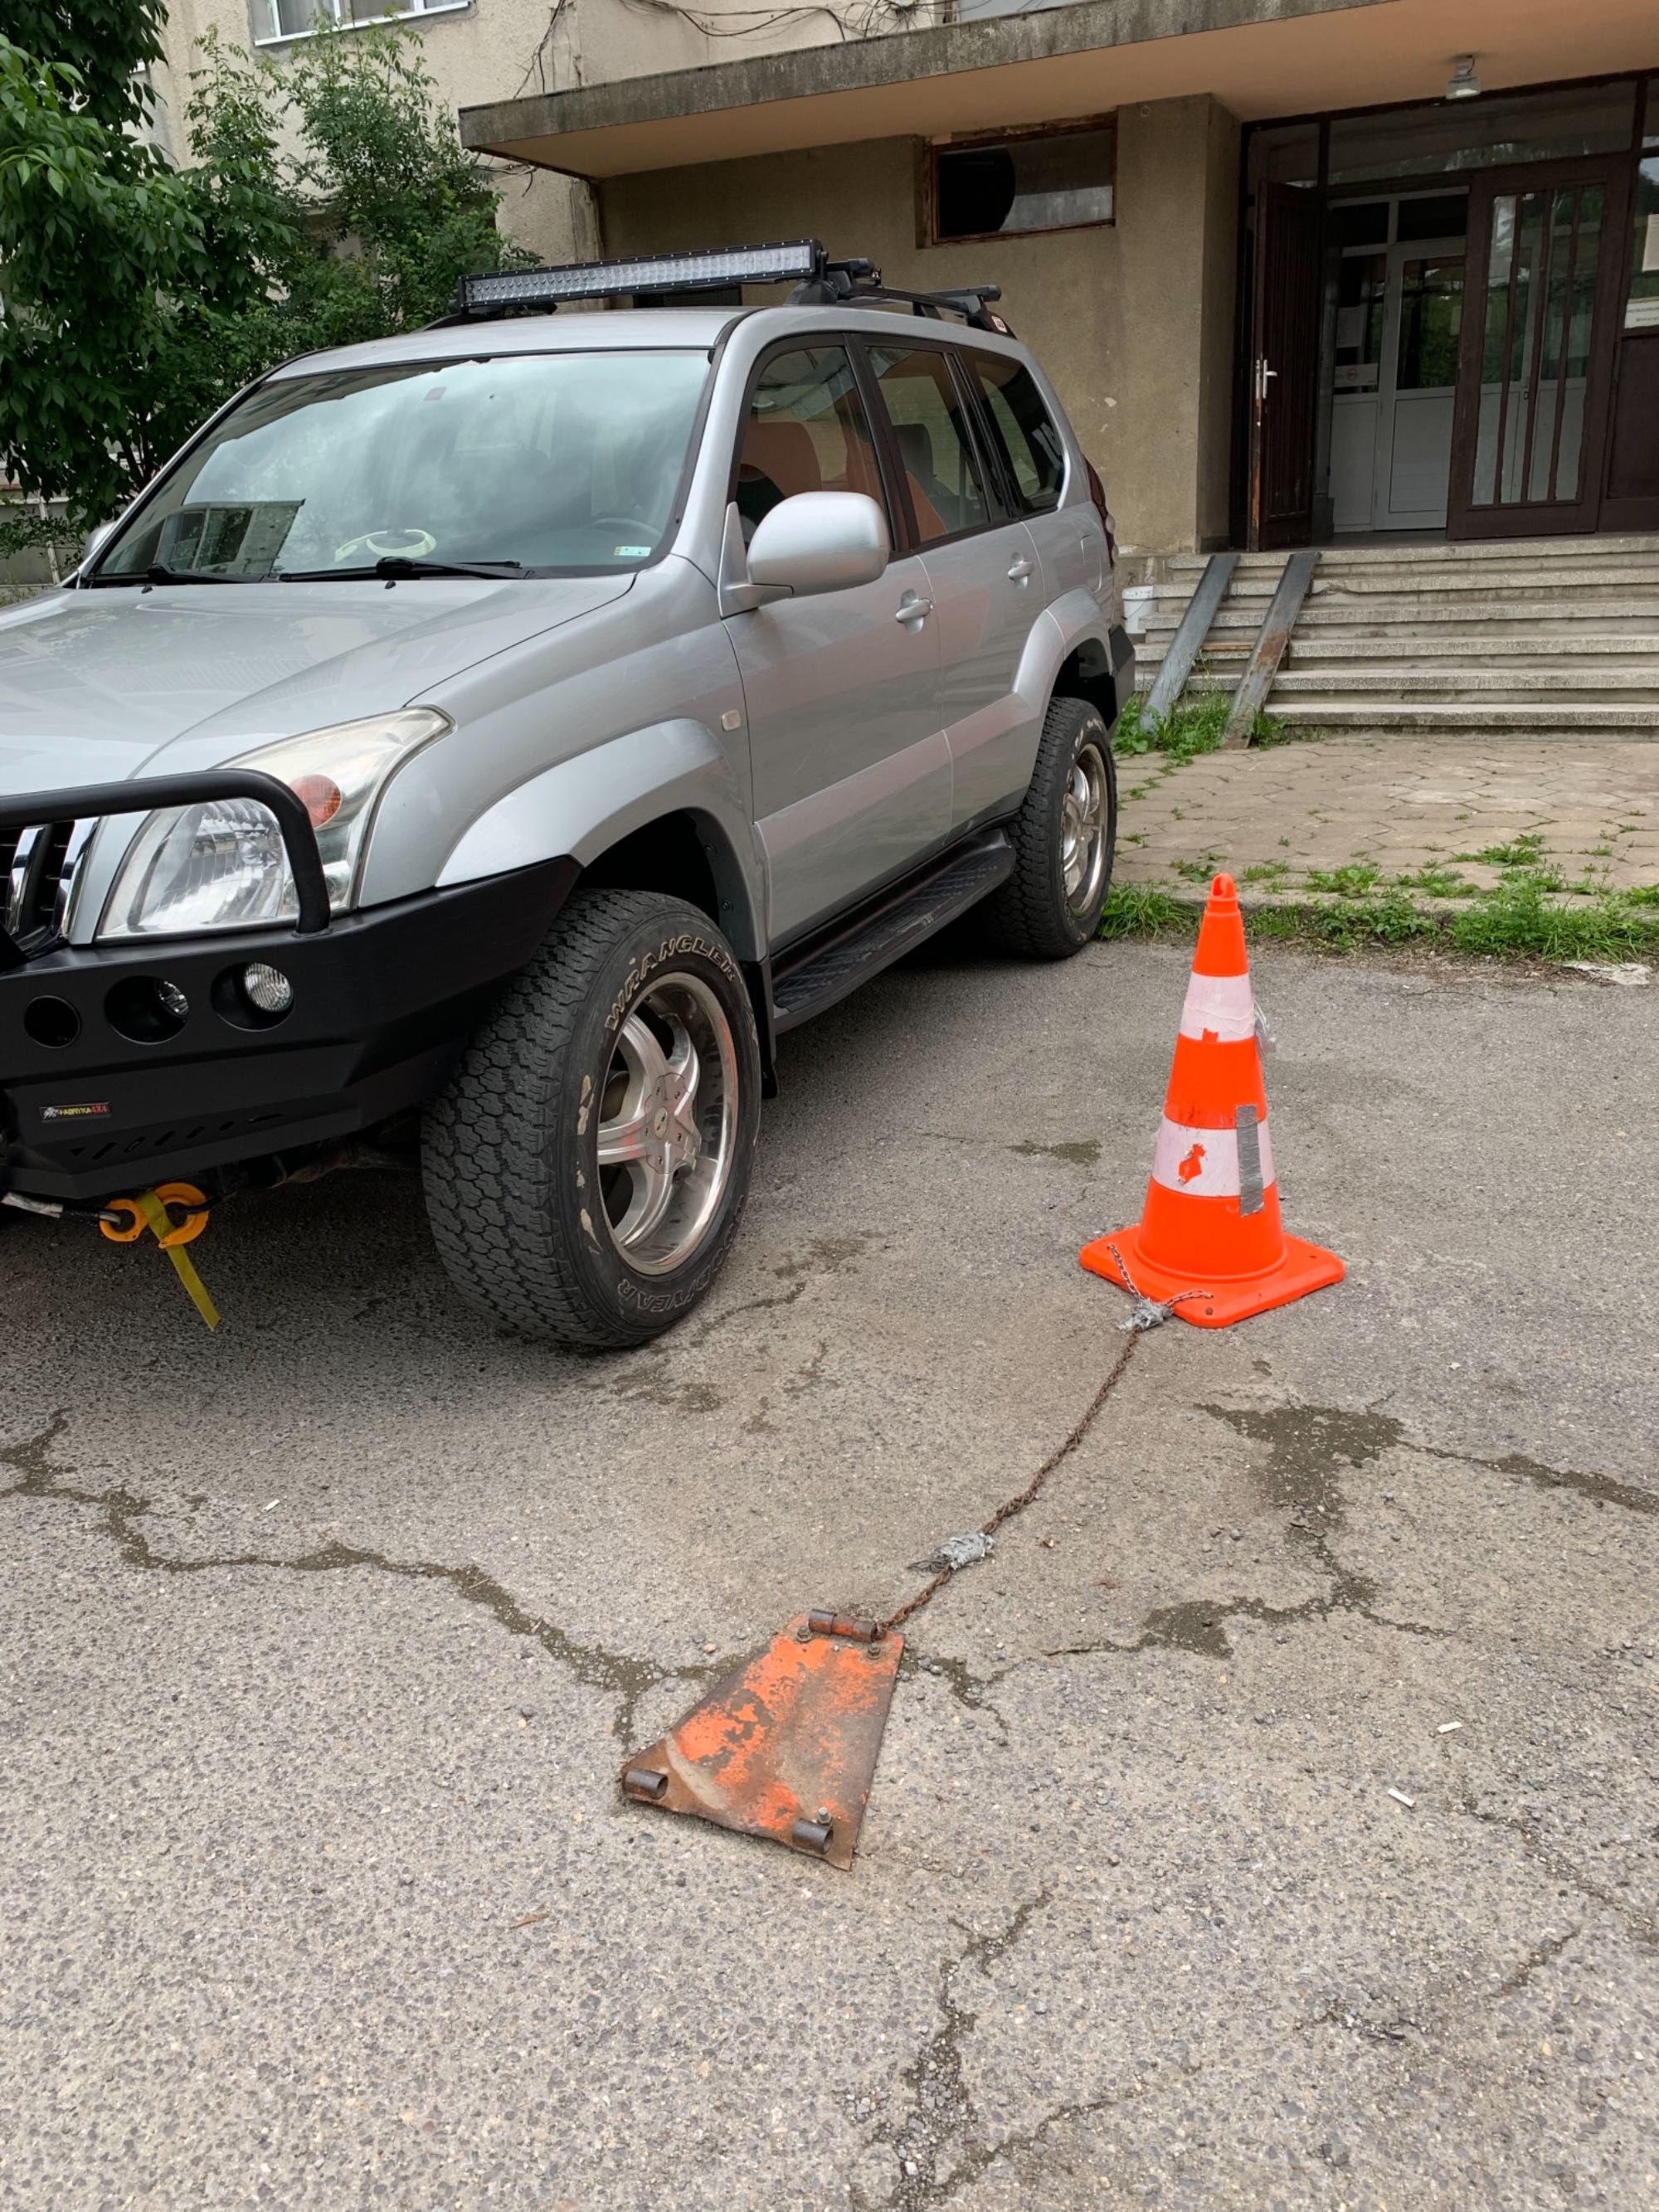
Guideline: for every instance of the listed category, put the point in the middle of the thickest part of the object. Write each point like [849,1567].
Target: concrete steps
[1540,638]
[1629,683]
[1468,719]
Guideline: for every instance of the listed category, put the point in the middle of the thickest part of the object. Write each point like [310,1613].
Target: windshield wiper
[392,566]
[157,574]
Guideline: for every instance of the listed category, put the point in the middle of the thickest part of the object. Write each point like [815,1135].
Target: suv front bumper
[384,1003]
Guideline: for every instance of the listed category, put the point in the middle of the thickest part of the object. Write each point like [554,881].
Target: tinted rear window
[1026,434]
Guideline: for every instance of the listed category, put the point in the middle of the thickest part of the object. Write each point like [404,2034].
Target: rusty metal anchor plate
[786,1747]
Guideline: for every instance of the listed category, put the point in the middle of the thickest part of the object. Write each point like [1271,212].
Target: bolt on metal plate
[786,1747]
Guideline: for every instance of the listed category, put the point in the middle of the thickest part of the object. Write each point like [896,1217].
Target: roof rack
[858,283]
[817,281]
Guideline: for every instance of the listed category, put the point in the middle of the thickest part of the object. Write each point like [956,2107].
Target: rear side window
[935,447]
[1023,429]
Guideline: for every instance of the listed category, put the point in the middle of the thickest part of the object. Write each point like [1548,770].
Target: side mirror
[96,536]
[819,541]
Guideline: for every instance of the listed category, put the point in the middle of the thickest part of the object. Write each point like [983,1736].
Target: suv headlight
[221,865]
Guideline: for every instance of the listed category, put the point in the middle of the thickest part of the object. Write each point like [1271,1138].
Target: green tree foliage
[322,203]
[109,44]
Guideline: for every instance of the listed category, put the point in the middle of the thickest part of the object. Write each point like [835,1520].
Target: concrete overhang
[1258,57]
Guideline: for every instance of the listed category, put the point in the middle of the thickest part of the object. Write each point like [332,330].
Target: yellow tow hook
[149,1211]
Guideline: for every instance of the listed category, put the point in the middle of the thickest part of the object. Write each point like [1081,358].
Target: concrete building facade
[1301,269]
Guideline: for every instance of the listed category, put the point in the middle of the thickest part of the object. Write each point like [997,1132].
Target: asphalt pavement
[1271,1821]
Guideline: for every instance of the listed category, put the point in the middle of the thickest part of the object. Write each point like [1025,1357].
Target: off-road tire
[1031,914]
[508,1151]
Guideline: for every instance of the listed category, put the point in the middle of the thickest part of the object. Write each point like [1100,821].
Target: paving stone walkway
[1283,818]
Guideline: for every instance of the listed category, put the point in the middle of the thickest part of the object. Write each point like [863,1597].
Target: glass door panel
[1533,400]
[1416,477]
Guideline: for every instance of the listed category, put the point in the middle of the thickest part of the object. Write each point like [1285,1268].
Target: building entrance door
[1285,367]
[1546,256]
[1398,316]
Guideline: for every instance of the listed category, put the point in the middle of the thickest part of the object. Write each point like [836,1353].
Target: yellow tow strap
[183,1266]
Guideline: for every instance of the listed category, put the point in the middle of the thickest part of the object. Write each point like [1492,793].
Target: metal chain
[1007,1509]
[1147,1313]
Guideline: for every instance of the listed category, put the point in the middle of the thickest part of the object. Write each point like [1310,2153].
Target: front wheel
[1063,837]
[587,1169]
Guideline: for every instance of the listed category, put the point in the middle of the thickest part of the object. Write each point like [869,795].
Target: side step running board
[912,912]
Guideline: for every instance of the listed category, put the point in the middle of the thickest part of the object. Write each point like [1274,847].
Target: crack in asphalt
[1543,1954]
[766,1304]
[1308,1445]
[623,1675]
[940,2104]
[1309,1448]
[1346,2012]
[1638,1924]
[1601,1489]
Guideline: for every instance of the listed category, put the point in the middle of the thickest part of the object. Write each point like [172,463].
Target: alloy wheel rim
[668,1123]
[1083,828]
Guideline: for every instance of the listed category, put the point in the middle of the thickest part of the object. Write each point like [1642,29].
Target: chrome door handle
[1020,571]
[913,609]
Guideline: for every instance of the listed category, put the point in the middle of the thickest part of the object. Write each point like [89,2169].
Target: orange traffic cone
[1210,1240]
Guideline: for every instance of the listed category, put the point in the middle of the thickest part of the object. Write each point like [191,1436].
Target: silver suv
[522,723]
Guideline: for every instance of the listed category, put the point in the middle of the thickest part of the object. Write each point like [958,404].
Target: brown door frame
[1633,410]
[1538,518]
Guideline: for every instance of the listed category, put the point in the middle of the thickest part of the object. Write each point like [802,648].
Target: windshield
[540,461]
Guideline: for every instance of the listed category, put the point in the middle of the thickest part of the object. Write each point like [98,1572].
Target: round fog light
[267,988]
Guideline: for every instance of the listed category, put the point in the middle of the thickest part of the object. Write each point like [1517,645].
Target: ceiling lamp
[1463,83]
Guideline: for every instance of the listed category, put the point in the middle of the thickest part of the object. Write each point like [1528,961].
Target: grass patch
[1353,882]
[1193,727]
[1437,883]
[1198,871]
[1388,918]
[1136,911]
[1524,852]
[1519,918]
[1271,873]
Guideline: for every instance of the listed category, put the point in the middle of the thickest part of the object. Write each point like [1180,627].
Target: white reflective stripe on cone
[1204,1163]
[1222,1005]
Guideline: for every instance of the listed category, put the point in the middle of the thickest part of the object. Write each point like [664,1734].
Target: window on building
[1284,154]
[1033,456]
[1510,127]
[807,431]
[1641,298]
[1053,180]
[280,20]
[935,447]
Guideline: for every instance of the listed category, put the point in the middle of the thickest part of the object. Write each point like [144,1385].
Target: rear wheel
[1064,837]
[586,1169]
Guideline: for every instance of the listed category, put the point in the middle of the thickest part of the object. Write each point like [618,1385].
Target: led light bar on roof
[791,261]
